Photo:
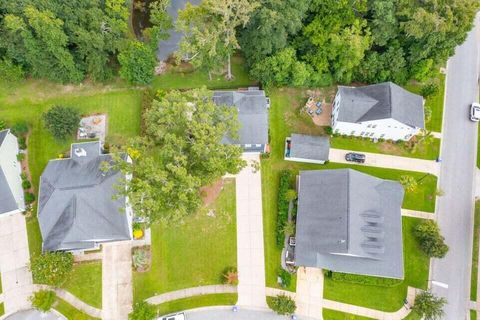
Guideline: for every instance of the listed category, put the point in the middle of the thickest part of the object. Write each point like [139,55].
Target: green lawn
[473,314]
[185,78]
[2,309]
[429,152]
[390,299]
[476,233]
[86,283]
[329,314]
[434,102]
[70,312]
[194,253]
[225,299]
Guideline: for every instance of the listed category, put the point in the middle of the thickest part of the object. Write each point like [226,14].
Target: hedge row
[363,280]
[282,217]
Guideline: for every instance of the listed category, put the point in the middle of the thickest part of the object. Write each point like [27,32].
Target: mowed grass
[224,299]
[86,283]
[423,199]
[434,102]
[390,299]
[193,253]
[329,314]
[70,312]
[476,234]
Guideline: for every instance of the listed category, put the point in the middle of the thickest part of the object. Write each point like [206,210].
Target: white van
[176,316]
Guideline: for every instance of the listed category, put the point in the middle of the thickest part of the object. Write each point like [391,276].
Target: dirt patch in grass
[211,192]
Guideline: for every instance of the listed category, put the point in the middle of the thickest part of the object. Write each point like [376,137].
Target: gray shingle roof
[170,45]
[252,114]
[7,201]
[3,134]
[381,101]
[349,222]
[309,147]
[76,205]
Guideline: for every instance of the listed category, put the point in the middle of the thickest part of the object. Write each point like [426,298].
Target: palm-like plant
[289,228]
[139,259]
[409,183]
[231,277]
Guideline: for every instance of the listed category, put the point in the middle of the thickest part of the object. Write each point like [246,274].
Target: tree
[213,23]
[430,239]
[182,150]
[283,305]
[43,300]
[161,22]
[409,183]
[61,121]
[137,63]
[52,268]
[428,306]
[142,311]
[270,26]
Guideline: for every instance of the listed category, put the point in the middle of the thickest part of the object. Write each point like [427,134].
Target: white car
[475,112]
[176,316]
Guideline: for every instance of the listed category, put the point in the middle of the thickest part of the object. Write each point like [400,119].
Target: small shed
[306,148]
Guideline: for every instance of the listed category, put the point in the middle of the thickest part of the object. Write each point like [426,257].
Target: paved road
[221,313]
[455,208]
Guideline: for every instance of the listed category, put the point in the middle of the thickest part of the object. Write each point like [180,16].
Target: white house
[11,191]
[381,111]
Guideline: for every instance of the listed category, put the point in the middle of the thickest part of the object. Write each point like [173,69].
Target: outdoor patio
[93,127]
[319,111]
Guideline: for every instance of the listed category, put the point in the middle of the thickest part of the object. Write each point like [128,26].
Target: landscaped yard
[86,283]
[476,234]
[434,102]
[70,312]
[416,265]
[193,253]
[338,315]
[224,299]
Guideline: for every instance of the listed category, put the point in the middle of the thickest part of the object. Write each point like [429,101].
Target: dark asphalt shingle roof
[3,134]
[170,45]
[7,201]
[381,101]
[348,221]
[76,201]
[252,114]
[309,147]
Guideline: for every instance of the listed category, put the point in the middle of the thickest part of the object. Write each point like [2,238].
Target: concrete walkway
[418,214]
[117,294]
[190,292]
[309,296]
[250,253]
[387,161]
[71,299]
[437,135]
[17,284]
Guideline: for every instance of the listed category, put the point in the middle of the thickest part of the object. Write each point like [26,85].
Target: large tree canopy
[181,152]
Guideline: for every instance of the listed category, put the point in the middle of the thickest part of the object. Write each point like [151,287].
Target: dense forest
[285,42]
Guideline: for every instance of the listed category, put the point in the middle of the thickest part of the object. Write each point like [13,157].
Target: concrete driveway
[387,161]
[117,294]
[250,252]
[17,281]
[309,295]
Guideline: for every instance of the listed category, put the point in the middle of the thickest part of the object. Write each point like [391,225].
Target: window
[369,126]
[382,135]
[371,134]
[362,133]
[258,145]
[248,146]
[374,126]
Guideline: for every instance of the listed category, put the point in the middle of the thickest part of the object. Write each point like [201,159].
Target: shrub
[29,197]
[286,278]
[282,216]
[26,184]
[430,239]
[137,63]
[22,143]
[20,128]
[409,183]
[10,72]
[230,276]
[429,89]
[429,306]
[428,114]
[291,195]
[43,300]
[20,157]
[139,259]
[282,304]
[3,124]
[51,268]
[328,130]
[143,311]
[61,121]
[364,280]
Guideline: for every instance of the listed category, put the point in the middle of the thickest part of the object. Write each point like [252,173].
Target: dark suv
[355,157]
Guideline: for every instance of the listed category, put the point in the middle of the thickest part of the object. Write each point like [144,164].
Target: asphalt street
[217,313]
[450,276]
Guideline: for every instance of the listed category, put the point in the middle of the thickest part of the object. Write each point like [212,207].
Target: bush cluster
[61,121]
[43,300]
[363,280]
[282,217]
[143,311]
[430,239]
[52,268]
[282,304]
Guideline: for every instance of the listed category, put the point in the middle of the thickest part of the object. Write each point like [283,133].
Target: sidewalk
[191,292]
[387,161]
[418,214]
[250,253]
[117,294]
[17,283]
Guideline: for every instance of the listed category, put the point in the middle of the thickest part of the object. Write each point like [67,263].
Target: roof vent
[80,152]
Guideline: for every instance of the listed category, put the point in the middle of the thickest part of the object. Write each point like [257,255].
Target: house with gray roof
[252,106]
[11,190]
[378,111]
[306,148]
[78,204]
[349,222]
